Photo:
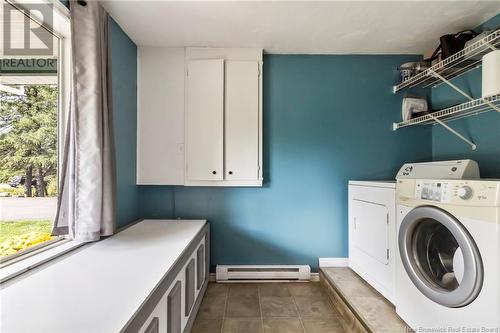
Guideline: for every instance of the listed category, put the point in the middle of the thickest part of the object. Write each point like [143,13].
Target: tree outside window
[28,165]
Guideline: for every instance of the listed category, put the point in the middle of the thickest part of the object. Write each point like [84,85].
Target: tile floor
[266,308]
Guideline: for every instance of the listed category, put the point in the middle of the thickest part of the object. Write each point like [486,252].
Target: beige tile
[379,315]
[244,290]
[278,306]
[312,307]
[274,289]
[322,326]
[340,273]
[207,326]
[349,321]
[216,289]
[308,289]
[282,325]
[242,325]
[351,288]
[242,306]
[212,306]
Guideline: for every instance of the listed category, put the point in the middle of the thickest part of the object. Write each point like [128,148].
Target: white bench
[149,278]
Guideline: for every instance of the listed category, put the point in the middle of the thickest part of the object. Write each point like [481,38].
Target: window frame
[60,28]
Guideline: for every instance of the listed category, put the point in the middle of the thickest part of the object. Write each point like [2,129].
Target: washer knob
[465,192]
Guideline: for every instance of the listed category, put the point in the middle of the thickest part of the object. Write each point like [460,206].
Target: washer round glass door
[440,256]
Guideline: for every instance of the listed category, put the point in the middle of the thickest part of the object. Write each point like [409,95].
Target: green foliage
[13,191]
[14,228]
[28,132]
[51,186]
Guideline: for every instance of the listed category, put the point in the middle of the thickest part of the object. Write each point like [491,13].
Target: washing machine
[448,268]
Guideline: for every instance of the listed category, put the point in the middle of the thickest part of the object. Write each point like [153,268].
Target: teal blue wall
[483,129]
[327,119]
[124,91]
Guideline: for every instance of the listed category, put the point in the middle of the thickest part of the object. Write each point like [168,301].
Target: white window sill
[11,269]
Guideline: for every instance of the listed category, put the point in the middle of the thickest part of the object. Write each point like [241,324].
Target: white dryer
[372,233]
[448,270]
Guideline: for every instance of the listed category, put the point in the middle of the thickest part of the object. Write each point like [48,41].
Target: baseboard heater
[260,273]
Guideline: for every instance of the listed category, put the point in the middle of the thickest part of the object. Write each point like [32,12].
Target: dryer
[448,268]
[372,233]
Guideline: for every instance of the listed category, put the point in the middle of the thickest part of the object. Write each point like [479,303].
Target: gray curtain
[87,183]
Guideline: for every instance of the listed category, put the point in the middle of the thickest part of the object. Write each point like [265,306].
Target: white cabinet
[175,311]
[179,301]
[205,120]
[372,233]
[241,121]
[199,116]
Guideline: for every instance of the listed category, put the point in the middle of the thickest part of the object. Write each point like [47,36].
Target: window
[34,81]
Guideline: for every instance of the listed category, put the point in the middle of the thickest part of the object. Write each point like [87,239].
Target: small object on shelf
[410,69]
[491,74]
[413,107]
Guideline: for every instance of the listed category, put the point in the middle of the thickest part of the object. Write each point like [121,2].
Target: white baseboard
[333,262]
[314,277]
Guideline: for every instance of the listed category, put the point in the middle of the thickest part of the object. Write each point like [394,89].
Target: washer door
[440,256]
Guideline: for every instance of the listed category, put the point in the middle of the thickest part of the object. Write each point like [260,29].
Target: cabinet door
[205,120]
[200,266]
[242,120]
[371,229]
[189,287]
[153,326]
[174,309]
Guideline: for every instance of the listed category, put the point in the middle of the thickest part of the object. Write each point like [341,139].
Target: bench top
[98,288]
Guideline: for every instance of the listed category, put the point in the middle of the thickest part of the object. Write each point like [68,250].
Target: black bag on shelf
[453,43]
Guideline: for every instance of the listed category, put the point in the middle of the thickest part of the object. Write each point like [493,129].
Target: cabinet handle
[214,172]
[230,172]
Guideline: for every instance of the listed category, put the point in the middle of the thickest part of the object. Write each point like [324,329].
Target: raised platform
[362,309]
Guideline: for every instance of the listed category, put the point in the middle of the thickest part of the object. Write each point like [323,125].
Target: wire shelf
[473,107]
[455,65]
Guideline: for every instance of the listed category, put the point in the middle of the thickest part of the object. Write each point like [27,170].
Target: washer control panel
[433,190]
[469,192]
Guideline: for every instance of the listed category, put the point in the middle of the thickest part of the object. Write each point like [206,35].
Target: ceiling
[305,27]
